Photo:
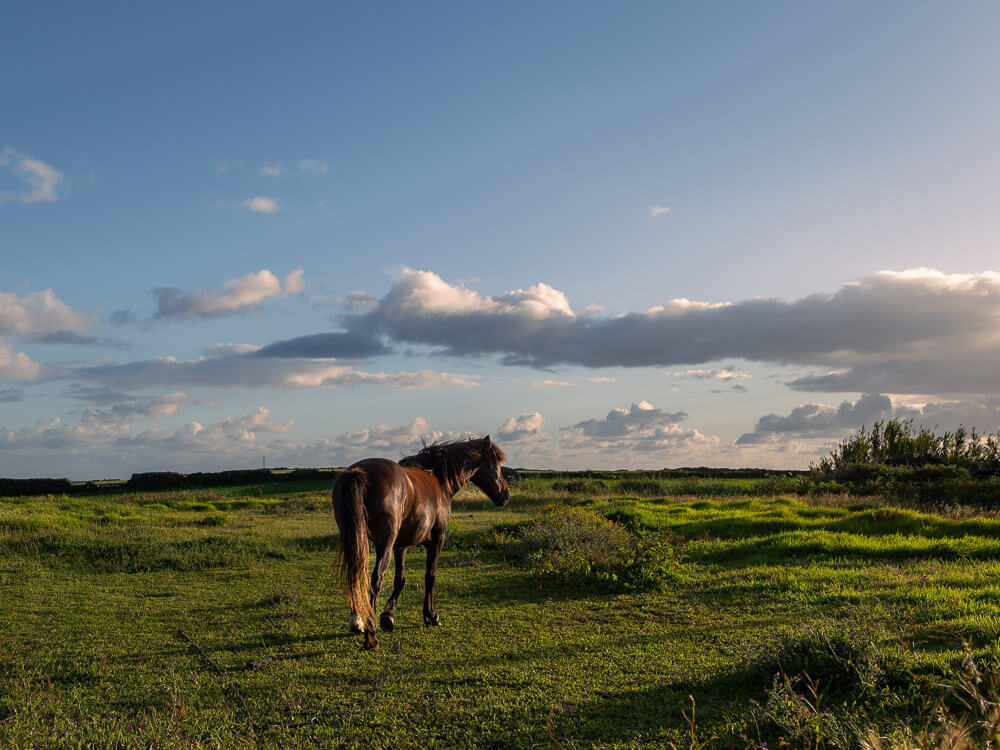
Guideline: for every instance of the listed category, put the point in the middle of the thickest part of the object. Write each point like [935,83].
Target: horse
[399,505]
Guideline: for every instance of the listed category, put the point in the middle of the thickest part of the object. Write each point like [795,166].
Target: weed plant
[578,547]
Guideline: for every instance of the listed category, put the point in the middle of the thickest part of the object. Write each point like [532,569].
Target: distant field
[96,588]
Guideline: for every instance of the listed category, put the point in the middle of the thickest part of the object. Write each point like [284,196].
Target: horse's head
[488,477]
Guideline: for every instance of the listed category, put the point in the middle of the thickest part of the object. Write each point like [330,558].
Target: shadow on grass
[315,543]
[805,548]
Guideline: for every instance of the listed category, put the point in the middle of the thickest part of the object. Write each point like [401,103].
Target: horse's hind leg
[388,619]
[433,550]
[383,555]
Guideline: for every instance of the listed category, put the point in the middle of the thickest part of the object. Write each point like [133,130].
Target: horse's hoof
[356,624]
[386,622]
[432,621]
[371,645]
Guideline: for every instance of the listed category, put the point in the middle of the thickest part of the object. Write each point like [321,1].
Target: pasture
[210,618]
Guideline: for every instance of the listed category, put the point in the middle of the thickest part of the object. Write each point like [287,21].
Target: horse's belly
[416,530]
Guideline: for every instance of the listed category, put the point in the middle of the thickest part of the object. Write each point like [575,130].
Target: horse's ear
[486,441]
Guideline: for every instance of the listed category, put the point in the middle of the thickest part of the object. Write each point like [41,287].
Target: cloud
[657,210]
[982,413]
[42,181]
[39,314]
[619,422]
[270,170]
[262,205]
[101,395]
[816,420]
[528,426]
[383,441]
[126,410]
[227,350]
[600,380]
[349,345]
[78,339]
[819,419]
[549,383]
[641,428]
[313,166]
[724,373]
[123,317]
[17,365]
[125,406]
[236,295]
[735,388]
[358,301]
[889,332]
[251,371]
[99,439]
[11,395]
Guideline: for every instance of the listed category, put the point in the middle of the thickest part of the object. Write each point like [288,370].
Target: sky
[609,235]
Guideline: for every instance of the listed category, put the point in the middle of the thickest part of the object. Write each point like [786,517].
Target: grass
[762,591]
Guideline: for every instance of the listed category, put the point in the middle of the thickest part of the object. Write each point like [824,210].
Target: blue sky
[799,152]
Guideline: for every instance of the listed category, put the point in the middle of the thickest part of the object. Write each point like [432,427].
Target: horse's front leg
[433,550]
[388,618]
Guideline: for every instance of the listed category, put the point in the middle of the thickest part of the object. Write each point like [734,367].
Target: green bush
[898,442]
[821,681]
[581,487]
[572,546]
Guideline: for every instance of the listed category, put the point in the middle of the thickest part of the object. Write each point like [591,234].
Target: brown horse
[399,505]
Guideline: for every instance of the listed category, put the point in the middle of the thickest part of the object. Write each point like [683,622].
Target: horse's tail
[352,519]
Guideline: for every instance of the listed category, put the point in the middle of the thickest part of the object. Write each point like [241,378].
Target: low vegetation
[898,459]
[716,612]
[568,547]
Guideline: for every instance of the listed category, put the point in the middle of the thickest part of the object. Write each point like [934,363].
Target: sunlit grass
[96,588]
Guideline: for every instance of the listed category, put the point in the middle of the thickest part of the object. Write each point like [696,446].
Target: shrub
[822,680]
[641,487]
[963,715]
[579,547]
[898,442]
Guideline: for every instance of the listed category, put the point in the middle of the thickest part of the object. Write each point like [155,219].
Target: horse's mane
[452,461]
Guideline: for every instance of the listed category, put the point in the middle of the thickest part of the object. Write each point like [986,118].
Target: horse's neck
[452,485]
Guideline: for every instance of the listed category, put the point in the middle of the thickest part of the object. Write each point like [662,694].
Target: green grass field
[96,591]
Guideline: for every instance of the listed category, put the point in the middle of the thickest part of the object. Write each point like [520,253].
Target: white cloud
[42,181]
[16,365]
[262,204]
[383,441]
[890,332]
[126,408]
[641,434]
[724,374]
[270,170]
[620,422]
[40,313]
[549,383]
[96,440]
[657,210]
[313,166]
[235,296]
[601,380]
[528,426]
